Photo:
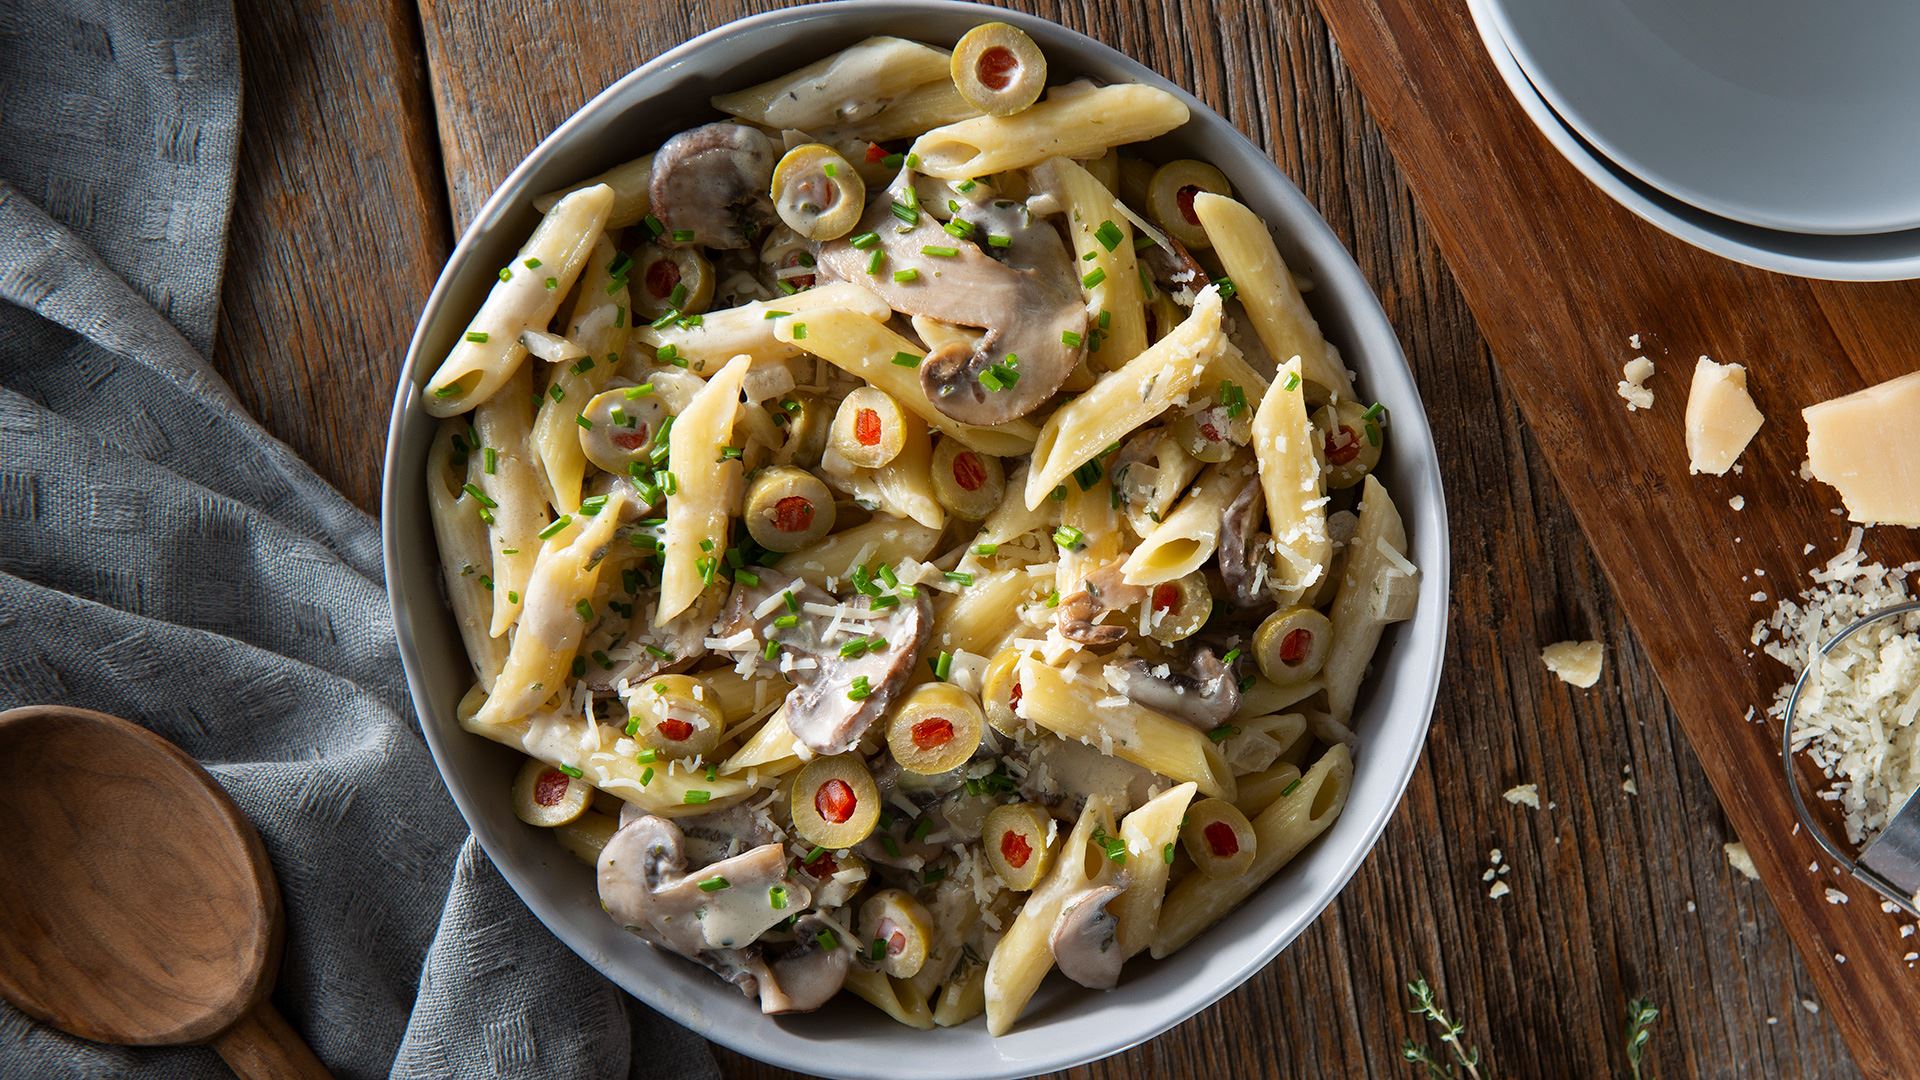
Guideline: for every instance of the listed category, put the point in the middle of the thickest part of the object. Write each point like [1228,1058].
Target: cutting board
[1560,278]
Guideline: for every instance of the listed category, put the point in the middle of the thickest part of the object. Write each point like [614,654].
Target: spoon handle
[261,1046]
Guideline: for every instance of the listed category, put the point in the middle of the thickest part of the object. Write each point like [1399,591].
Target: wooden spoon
[137,905]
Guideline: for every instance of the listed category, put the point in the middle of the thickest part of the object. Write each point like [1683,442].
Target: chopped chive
[683,236]
[939,251]
[1070,339]
[771,314]
[557,392]
[715,884]
[865,240]
[667,354]
[678,297]
[800,328]
[1053,597]
[1293,381]
[671,483]
[512,597]
[860,690]
[1373,411]
[571,771]
[486,515]
[1166,854]
[477,336]
[960,576]
[657,652]
[581,419]
[506,274]
[892,161]
[913,161]
[943,665]
[906,359]
[792,601]
[1108,234]
[875,260]
[1223,733]
[1289,789]
[448,391]
[827,940]
[920,829]
[486,582]
[665,321]
[999,241]
[1226,286]
[480,496]
[579,666]
[553,283]
[852,649]
[1069,537]
[1087,475]
[653,225]
[961,228]
[594,505]
[1059,493]
[909,274]
[1094,277]
[559,523]
[696,796]
[584,608]
[1373,433]
[640,391]
[908,214]
[829,168]
[777,897]
[646,776]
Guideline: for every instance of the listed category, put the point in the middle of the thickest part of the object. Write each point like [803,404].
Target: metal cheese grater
[1890,862]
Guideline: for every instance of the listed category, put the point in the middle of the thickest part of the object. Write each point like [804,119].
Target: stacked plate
[1778,133]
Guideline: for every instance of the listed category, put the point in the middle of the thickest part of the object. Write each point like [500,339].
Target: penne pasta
[1190,535]
[629,182]
[876,72]
[1377,587]
[1123,400]
[1090,712]
[466,558]
[525,297]
[1023,958]
[1282,830]
[703,489]
[1259,791]
[1265,287]
[895,997]
[1013,518]
[598,328]
[858,345]
[1103,242]
[1152,833]
[902,487]
[565,573]
[885,539]
[963,997]
[1082,122]
[920,108]
[1291,477]
[749,329]
[506,475]
[982,617]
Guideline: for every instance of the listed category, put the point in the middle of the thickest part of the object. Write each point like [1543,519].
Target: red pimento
[1342,446]
[1295,646]
[1166,596]
[793,514]
[662,276]
[835,801]
[1013,698]
[937,731]
[996,68]
[677,730]
[896,941]
[1184,199]
[550,788]
[823,866]
[876,152]
[1221,839]
[631,440]
[968,472]
[1015,849]
[866,427]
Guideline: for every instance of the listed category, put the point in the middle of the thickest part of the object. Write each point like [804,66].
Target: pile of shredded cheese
[1856,719]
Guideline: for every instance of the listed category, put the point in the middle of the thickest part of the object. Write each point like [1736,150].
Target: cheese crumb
[1577,663]
[1810,1005]
[1523,795]
[1721,417]
[1629,786]
[1835,896]
[1499,889]
[1739,859]
[1738,502]
[1633,384]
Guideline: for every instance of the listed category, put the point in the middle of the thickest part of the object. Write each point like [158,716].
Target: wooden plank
[1603,882]
[339,227]
[1558,277]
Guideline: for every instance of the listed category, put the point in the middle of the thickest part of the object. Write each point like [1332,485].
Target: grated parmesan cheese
[1523,795]
[1739,859]
[1577,663]
[1633,384]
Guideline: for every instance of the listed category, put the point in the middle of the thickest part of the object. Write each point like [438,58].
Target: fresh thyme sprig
[1641,1014]
[1437,1067]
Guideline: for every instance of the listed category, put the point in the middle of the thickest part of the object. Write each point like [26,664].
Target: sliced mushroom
[712,182]
[1175,270]
[1205,695]
[673,647]
[1101,590]
[819,709]
[1063,773]
[644,885]
[1085,938]
[806,977]
[1241,544]
[1025,303]
[709,838]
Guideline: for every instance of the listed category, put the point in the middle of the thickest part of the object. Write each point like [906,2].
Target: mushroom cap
[645,887]
[1101,590]
[713,181]
[1085,937]
[1239,544]
[1205,695]
[807,977]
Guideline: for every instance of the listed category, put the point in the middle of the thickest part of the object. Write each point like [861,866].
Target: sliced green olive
[1218,838]
[897,931]
[670,279]
[967,482]
[834,801]
[935,729]
[1177,609]
[1215,431]
[869,429]
[1291,645]
[1015,839]
[1000,694]
[547,797]
[787,257]
[836,878]
[787,508]
[676,715]
[817,193]
[805,420]
[620,429]
[1170,198]
[998,69]
[1350,443]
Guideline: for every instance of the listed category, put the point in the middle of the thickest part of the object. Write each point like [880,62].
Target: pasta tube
[1377,587]
[506,475]
[489,352]
[629,182]
[702,490]
[875,72]
[886,539]
[1291,477]
[599,327]
[1123,400]
[1190,535]
[465,557]
[1087,711]
[1281,831]
[1151,833]
[1265,286]
[1103,241]
[719,336]
[1023,957]
[895,997]
[1082,122]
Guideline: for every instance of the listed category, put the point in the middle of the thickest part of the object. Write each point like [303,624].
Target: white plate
[1883,257]
[1066,1025]
[1783,114]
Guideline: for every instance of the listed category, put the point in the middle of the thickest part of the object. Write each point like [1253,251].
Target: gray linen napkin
[163,558]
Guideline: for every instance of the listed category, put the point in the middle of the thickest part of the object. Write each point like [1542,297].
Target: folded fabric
[165,559]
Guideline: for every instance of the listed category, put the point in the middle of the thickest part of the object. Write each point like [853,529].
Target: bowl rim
[1752,245]
[1377,340]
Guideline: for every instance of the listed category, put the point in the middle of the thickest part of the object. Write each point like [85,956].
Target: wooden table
[373,131]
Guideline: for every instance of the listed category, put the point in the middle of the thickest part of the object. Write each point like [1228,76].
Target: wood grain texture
[1613,895]
[339,226]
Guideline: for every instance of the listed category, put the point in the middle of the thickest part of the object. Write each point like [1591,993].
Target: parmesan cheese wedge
[1721,418]
[1868,446]
[1576,662]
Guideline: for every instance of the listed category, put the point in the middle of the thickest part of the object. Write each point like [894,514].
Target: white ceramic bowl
[1065,1025]
[1891,256]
